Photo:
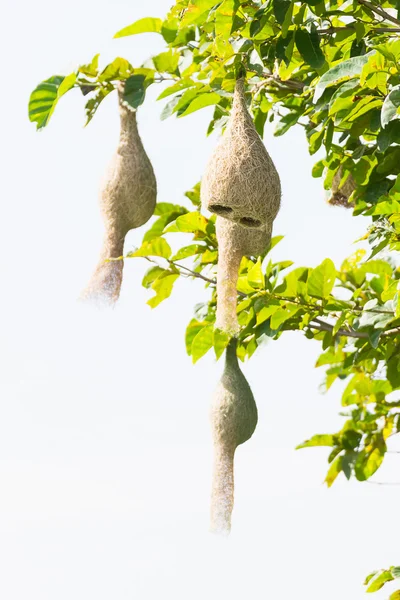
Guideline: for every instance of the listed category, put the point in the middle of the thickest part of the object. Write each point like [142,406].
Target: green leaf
[202,100]
[267,311]
[309,48]
[169,30]
[44,98]
[318,440]
[255,276]
[119,69]
[346,69]
[280,9]
[221,340]
[163,287]
[166,62]
[287,22]
[156,247]
[395,595]
[189,223]
[135,90]
[342,99]
[93,103]
[294,283]
[180,85]
[370,459]
[334,470]
[322,279]
[391,106]
[202,342]
[191,331]
[395,572]
[318,169]
[275,240]
[379,581]
[167,207]
[91,69]
[283,314]
[160,224]
[187,251]
[286,122]
[151,275]
[146,25]
[315,141]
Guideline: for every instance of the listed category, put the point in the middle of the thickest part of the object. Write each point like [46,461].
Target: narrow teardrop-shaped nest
[234,419]
[241,182]
[127,200]
[234,242]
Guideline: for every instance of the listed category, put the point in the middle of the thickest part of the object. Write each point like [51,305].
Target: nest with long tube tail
[127,200]
[233,420]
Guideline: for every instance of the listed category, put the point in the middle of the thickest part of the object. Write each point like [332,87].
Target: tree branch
[323,326]
[379,11]
[332,30]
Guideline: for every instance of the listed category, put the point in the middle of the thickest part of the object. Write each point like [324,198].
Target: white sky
[105,448]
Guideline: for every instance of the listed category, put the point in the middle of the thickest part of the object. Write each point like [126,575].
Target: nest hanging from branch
[233,419]
[127,200]
[241,182]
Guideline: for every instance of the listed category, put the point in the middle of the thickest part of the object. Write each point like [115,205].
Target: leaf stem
[379,11]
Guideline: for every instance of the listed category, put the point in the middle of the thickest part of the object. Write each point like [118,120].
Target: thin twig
[383,482]
[323,326]
[192,273]
[379,11]
[332,30]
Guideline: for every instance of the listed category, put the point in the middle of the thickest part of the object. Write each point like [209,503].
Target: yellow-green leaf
[283,314]
[44,98]
[255,276]
[146,25]
[202,100]
[158,246]
[379,581]
[163,288]
[202,342]
[322,279]
[334,471]
[189,223]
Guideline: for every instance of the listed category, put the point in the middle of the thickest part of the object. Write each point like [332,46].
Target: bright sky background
[105,447]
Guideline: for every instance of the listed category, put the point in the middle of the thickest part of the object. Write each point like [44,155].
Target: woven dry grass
[340,196]
[233,419]
[241,182]
[127,200]
[234,242]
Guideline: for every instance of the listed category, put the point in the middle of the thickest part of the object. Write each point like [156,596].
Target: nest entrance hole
[249,222]
[220,209]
